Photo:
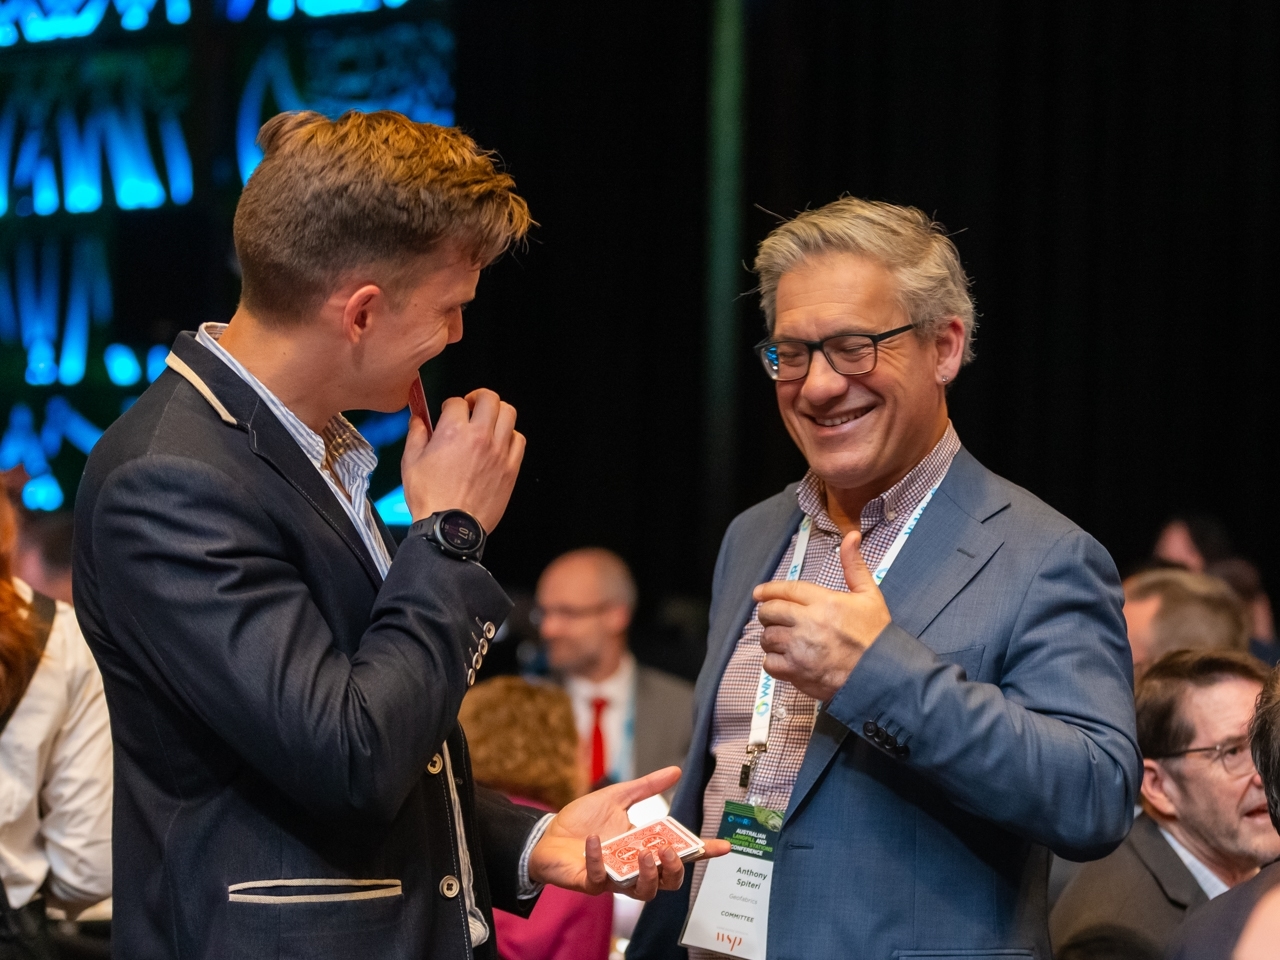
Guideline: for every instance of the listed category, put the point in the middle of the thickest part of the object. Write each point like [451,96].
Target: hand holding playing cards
[469,463]
[814,637]
[569,855]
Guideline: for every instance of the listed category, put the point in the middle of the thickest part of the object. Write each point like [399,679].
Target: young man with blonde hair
[283,680]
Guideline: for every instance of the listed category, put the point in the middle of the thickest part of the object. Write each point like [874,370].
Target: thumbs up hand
[814,637]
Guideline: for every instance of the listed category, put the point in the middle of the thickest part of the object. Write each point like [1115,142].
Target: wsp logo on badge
[731,941]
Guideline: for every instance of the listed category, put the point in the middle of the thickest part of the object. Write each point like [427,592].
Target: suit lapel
[385,532]
[753,562]
[271,441]
[1166,867]
[945,551]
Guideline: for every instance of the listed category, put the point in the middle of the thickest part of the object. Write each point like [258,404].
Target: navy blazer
[990,723]
[276,706]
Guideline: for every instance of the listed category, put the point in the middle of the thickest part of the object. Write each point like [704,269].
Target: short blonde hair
[523,740]
[932,286]
[365,190]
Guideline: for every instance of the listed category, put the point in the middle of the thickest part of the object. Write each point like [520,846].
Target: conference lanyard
[762,709]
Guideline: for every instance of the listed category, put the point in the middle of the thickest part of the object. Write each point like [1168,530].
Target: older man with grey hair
[917,681]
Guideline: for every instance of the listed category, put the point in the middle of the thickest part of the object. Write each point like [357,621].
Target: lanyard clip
[753,756]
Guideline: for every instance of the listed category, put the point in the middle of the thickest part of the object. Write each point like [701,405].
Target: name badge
[731,914]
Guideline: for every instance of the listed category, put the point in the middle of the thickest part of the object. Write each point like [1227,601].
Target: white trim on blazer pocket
[383,888]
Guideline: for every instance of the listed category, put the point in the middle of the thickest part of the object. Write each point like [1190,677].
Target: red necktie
[597,741]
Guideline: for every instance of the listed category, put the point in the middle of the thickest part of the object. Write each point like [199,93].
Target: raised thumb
[856,574]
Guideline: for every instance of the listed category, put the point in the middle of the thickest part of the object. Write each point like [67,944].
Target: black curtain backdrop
[1109,170]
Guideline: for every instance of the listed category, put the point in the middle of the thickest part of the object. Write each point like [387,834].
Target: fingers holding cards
[646,859]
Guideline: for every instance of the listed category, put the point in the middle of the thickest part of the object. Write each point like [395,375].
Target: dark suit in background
[664,719]
[1142,887]
[278,709]
[1212,931]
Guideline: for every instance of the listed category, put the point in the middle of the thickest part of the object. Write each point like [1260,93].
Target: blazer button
[476,660]
[449,886]
[471,677]
[890,742]
[436,764]
[489,631]
[869,730]
[902,751]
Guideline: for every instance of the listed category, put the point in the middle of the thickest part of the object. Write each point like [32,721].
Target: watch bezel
[435,532]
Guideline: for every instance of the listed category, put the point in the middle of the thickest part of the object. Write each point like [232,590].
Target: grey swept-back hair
[932,286]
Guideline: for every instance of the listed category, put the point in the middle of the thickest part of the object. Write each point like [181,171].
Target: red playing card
[622,853]
[418,404]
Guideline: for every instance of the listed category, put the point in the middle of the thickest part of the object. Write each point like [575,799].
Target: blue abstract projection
[39,20]
[62,117]
[54,332]
[406,67]
[239,10]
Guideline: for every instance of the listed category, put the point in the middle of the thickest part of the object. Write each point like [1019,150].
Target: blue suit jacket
[990,723]
[276,706]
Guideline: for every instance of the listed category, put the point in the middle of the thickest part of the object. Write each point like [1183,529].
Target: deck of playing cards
[622,853]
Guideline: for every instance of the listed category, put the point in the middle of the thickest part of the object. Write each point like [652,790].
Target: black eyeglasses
[850,354]
[1234,756]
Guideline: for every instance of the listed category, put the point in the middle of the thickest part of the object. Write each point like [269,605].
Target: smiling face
[406,331]
[861,434]
[1223,818]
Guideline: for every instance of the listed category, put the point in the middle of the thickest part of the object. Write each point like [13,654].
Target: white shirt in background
[617,721]
[55,757]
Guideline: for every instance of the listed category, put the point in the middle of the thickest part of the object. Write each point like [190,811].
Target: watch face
[459,530]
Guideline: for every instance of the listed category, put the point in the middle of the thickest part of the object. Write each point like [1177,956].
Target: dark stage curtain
[1110,169]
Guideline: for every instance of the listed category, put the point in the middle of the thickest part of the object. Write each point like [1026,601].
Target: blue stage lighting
[393,510]
[134,14]
[42,493]
[331,8]
[155,362]
[238,10]
[133,173]
[42,368]
[44,188]
[63,22]
[279,9]
[122,365]
[384,428]
[177,11]
[177,161]
[61,420]
[21,445]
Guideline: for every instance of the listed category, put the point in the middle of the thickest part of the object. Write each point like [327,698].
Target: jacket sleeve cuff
[865,704]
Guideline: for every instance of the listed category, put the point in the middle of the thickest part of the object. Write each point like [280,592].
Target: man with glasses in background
[632,719]
[1205,826]
[917,680]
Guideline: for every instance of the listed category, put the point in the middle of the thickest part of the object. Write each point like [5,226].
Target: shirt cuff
[527,889]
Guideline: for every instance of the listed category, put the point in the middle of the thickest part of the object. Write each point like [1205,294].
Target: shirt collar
[1210,882]
[338,439]
[615,688]
[899,500]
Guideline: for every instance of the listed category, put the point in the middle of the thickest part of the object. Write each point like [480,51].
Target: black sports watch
[456,532]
